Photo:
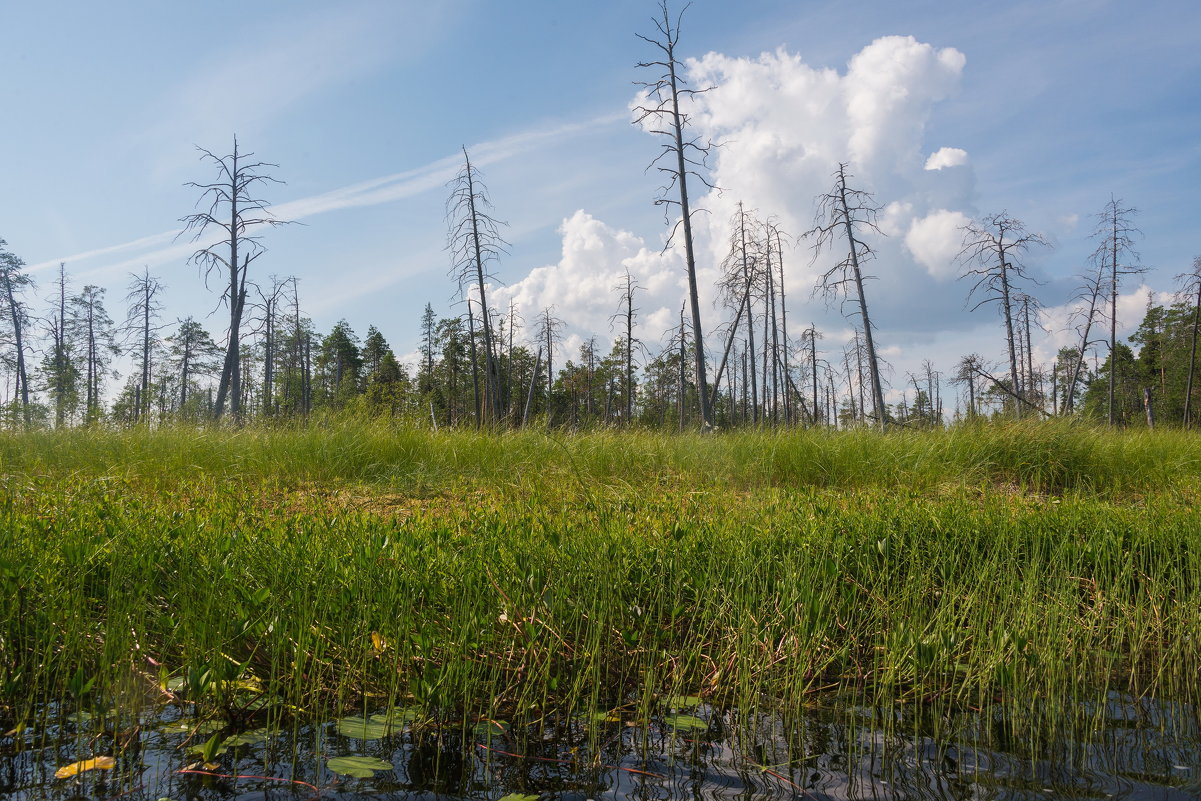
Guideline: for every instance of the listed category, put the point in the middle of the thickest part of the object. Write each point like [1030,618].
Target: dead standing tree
[992,251]
[548,332]
[473,239]
[844,211]
[628,286]
[1190,291]
[142,329]
[1115,232]
[1092,292]
[239,215]
[660,114]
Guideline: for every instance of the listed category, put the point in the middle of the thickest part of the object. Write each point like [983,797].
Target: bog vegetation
[296,572]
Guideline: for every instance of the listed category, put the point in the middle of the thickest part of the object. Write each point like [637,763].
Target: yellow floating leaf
[75,768]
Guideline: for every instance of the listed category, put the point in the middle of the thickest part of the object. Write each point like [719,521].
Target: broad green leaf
[397,715]
[491,728]
[76,768]
[518,797]
[246,738]
[363,728]
[210,749]
[683,701]
[685,723]
[360,767]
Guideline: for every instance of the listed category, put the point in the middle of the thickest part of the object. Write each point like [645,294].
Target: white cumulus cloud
[935,240]
[946,157]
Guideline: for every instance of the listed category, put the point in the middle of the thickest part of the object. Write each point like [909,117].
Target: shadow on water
[1133,749]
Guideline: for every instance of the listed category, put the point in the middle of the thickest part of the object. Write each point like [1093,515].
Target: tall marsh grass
[1047,457]
[519,574]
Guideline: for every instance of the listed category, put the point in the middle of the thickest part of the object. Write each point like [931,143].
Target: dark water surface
[1133,750]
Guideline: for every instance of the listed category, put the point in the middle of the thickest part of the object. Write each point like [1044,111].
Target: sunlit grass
[355,566]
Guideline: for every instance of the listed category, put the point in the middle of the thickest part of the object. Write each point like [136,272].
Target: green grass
[519,574]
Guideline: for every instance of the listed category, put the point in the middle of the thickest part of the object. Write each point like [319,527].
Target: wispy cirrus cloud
[169,246]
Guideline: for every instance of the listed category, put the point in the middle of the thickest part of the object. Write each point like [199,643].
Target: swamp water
[1133,749]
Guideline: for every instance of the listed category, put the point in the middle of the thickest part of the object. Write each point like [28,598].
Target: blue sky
[1053,105]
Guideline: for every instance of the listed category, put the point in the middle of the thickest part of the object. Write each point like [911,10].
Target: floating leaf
[686,723]
[397,715]
[683,701]
[363,728]
[491,728]
[360,767]
[246,738]
[378,644]
[81,716]
[76,768]
[185,726]
[518,797]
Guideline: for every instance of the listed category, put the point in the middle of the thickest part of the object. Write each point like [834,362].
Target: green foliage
[490,577]
[1164,341]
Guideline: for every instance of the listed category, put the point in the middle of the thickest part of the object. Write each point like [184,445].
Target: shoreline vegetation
[301,572]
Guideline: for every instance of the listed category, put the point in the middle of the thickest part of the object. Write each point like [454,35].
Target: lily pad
[397,715]
[363,728]
[491,728]
[246,738]
[518,797]
[683,701]
[360,767]
[686,723]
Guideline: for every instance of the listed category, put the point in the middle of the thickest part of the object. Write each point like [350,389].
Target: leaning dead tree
[1091,295]
[992,253]
[474,242]
[847,213]
[679,158]
[1115,234]
[234,218]
[739,272]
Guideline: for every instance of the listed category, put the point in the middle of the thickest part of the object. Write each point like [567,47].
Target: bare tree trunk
[788,416]
[490,364]
[872,361]
[629,350]
[750,326]
[813,367]
[1192,360]
[529,398]
[475,371]
[682,358]
[1113,324]
[726,352]
[14,309]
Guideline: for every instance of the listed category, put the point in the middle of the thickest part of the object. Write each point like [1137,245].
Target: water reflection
[1135,749]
